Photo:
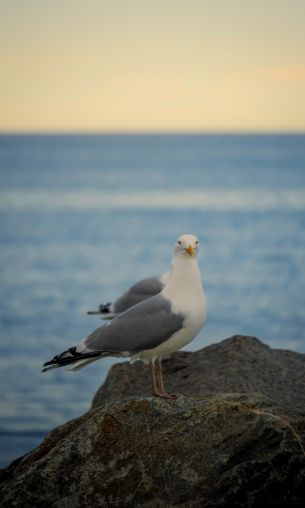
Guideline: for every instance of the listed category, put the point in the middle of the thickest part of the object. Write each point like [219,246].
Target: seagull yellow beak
[190,250]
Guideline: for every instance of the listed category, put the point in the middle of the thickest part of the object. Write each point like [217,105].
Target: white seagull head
[187,245]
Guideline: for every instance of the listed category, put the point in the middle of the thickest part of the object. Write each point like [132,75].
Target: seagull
[154,327]
[138,292]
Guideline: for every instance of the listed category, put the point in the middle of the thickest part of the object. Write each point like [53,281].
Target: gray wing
[142,327]
[137,293]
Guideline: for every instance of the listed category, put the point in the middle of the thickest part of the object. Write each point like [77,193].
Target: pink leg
[156,369]
[159,375]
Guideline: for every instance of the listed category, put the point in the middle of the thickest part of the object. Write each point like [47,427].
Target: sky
[162,65]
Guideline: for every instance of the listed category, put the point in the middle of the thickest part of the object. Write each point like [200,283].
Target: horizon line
[153,132]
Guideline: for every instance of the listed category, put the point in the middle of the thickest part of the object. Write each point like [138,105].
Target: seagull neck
[184,273]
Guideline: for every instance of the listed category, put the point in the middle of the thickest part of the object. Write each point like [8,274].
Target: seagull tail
[73,358]
[80,364]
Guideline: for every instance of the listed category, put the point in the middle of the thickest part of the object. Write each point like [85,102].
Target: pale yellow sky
[162,65]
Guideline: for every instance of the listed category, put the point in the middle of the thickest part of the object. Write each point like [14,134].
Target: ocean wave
[222,200]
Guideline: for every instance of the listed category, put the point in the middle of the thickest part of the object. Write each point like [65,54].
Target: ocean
[85,216]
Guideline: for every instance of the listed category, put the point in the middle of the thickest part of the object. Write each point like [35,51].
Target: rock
[236,365]
[211,451]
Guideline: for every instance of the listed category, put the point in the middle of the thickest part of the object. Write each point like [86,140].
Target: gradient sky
[138,65]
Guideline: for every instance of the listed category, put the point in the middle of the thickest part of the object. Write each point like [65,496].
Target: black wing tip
[51,362]
[103,309]
[61,359]
[49,366]
[69,357]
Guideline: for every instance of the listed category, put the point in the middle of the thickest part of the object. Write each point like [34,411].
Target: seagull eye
[179,243]
[197,242]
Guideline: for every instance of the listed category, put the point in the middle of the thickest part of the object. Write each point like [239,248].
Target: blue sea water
[84,216]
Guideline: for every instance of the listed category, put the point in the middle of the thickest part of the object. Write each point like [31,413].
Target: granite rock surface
[242,445]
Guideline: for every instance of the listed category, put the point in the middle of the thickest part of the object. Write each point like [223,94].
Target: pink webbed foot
[164,395]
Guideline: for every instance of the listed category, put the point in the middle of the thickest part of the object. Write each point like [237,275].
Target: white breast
[185,293]
[194,319]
